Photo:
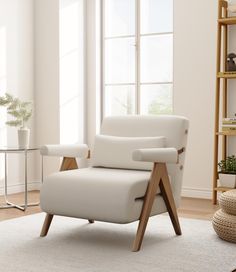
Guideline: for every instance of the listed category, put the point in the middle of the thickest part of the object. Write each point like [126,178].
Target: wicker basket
[227,202]
[225,226]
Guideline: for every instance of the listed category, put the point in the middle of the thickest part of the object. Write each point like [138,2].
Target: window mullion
[103,91]
[137,42]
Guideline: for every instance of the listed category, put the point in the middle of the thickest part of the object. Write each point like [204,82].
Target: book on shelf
[229,119]
[229,122]
[229,128]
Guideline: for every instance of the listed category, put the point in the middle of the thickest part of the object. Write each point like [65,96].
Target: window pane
[69,78]
[119,17]
[120,61]
[156,16]
[119,100]
[71,71]
[157,58]
[69,22]
[156,99]
[68,130]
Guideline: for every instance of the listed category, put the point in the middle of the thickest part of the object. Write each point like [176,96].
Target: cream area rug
[74,245]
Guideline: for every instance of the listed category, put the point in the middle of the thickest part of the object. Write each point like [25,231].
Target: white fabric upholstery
[116,152]
[68,150]
[164,155]
[173,128]
[170,126]
[97,193]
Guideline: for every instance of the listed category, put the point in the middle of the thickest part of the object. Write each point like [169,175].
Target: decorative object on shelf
[227,174]
[231,66]
[21,112]
[224,220]
[229,124]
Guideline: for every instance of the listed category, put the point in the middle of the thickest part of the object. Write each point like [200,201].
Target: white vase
[23,137]
[227,180]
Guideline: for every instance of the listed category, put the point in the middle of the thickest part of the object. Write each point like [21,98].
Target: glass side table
[8,204]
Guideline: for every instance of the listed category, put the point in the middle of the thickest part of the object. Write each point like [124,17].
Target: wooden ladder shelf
[222,77]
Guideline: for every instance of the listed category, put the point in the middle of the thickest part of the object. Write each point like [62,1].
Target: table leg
[42,170]
[26,179]
[5,174]
[9,204]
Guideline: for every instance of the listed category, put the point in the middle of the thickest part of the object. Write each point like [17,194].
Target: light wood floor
[190,207]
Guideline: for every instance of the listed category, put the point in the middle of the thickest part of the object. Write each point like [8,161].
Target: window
[137,40]
[71,71]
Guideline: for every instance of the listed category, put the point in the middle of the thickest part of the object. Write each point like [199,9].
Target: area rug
[74,245]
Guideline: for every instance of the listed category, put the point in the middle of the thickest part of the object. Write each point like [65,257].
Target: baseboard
[196,193]
[19,187]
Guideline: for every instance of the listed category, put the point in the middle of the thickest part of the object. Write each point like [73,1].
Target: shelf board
[227,21]
[226,133]
[223,189]
[226,75]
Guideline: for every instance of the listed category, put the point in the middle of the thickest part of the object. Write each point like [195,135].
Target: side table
[6,151]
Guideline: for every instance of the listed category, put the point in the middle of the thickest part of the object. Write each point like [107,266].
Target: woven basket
[225,226]
[227,202]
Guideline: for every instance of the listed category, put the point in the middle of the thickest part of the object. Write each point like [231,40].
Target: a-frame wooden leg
[68,164]
[46,225]
[167,195]
[148,202]
[160,178]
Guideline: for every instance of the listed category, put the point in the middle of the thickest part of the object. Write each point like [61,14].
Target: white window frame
[137,37]
[83,136]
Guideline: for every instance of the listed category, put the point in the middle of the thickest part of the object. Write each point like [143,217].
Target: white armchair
[136,172]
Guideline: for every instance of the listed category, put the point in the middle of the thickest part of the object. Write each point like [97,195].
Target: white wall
[194,88]
[47,77]
[16,21]
[194,81]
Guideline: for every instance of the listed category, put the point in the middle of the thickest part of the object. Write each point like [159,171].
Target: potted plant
[21,113]
[227,174]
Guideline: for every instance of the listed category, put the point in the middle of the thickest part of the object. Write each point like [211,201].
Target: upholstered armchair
[136,172]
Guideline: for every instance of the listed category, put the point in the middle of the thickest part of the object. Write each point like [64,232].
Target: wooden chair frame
[159,178]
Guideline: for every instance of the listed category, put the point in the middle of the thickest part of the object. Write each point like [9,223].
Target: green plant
[19,110]
[228,165]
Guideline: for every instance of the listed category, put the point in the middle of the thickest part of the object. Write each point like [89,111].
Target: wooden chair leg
[68,164]
[147,205]
[167,195]
[46,225]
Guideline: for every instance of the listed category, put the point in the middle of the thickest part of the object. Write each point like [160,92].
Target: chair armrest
[67,150]
[163,155]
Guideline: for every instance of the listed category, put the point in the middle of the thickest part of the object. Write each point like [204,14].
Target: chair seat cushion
[103,194]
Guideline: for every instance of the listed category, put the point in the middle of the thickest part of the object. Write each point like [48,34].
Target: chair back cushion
[170,126]
[173,128]
[116,152]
